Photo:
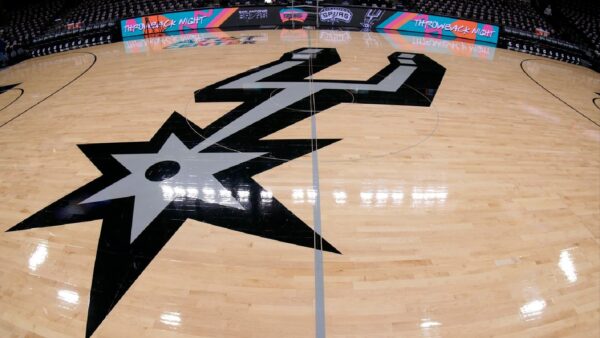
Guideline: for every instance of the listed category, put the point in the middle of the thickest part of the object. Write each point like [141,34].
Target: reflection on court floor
[394,185]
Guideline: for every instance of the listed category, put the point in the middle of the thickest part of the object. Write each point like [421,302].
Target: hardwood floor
[476,216]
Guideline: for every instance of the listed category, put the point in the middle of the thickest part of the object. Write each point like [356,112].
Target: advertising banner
[211,18]
[253,16]
[431,24]
[292,14]
[366,19]
[358,17]
[178,21]
[336,16]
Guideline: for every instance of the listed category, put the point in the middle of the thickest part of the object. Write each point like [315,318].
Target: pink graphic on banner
[221,17]
[131,22]
[401,20]
[199,17]
[429,29]
[292,14]
[488,28]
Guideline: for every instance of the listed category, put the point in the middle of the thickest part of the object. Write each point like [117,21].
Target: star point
[175,171]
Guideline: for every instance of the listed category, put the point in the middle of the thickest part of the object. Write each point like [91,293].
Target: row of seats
[526,35]
[52,22]
[389,4]
[92,11]
[585,18]
[525,46]
[75,30]
[21,26]
[30,25]
[512,13]
[72,44]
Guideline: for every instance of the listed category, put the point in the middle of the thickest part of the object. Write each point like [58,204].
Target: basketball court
[299,183]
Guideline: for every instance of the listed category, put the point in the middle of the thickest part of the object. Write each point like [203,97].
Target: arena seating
[24,24]
[529,43]
[512,13]
[584,17]
[45,27]
[92,15]
[389,4]
[92,19]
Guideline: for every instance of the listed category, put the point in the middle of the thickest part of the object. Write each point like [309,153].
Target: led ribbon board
[178,21]
[439,25]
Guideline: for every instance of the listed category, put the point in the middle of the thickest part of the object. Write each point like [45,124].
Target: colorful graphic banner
[366,19]
[292,14]
[178,21]
[431,24]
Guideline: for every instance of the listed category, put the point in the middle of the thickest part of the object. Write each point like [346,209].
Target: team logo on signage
[148,189]
[335,14]
[253,14]
[371,17]
[292,14]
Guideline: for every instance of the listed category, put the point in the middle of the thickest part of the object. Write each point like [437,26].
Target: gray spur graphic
[148,189]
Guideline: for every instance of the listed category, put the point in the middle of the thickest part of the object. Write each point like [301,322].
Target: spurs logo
[372,16]
[148,189]
[335,14]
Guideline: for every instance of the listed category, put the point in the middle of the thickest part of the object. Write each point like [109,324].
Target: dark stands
[386,4]
[524,27]
[92,22]
[568,31]
[581,24]
[507,13]
[3,56]
[23,22]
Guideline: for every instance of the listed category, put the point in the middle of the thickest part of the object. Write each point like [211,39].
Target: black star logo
[242,205]
[148,189]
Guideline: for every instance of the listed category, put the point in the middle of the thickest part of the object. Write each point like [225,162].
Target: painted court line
[318,247]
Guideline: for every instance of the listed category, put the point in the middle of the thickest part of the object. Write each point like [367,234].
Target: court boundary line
[58,90]
[551,93]
[320,327]
[320,321]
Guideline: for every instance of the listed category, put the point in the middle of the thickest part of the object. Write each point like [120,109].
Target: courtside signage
[331,16]
[178,21]
[148,189]
[438,25]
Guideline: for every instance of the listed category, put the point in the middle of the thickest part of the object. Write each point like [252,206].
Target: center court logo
[148,189]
